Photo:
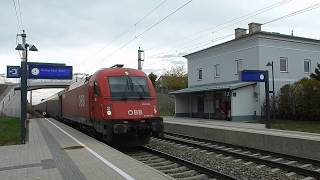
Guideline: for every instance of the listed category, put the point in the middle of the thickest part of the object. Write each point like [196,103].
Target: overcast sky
[83,33]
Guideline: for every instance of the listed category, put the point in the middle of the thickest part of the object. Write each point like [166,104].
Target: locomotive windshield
[128,87]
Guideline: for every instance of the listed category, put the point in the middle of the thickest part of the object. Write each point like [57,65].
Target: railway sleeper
[196,177]
[153,160]
[160,163]
[184,174]
[141,156]
[175,170]
[170,166]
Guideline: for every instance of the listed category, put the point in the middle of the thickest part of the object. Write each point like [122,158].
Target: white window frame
[200,70]
[237,68]
[217,73]
[309,62]
[286,60]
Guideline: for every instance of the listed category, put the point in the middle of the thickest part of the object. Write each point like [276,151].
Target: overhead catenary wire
[150,12]
[17,16]
[206,43]
[231,22]
[309,8]
[19,9]
[139,35]
[133,26]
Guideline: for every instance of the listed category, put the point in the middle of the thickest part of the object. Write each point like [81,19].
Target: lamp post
[23,83]
[273,93]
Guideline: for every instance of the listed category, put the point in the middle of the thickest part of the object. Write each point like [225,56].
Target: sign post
[24,90]
[259,76]
[49,71]
[13,71]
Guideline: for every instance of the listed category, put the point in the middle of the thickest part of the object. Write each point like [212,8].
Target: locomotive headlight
[109,110]
[155,109]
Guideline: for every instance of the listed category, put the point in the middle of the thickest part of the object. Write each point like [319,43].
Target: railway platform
[251,135]
[56,151]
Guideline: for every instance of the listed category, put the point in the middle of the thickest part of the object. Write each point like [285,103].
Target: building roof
[269,34]
[230,85]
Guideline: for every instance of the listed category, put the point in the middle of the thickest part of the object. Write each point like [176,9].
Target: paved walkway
[56,151]
[214,122]
[241,126]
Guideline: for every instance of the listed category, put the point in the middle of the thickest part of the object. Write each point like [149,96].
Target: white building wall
[225,55]
[208,102]
[271,49]
[255,52]
[186,104]
[243,105]
[182,103]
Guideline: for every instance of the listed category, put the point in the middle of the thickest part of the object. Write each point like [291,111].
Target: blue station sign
[49,71]
[13,71]
[254,75]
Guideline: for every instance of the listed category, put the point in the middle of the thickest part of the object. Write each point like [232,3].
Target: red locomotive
[118,103]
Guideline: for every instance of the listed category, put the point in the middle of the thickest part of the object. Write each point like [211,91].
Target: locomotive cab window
[128,87]
[96,88]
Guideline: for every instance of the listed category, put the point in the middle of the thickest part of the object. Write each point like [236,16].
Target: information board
[253,75]
[49,71]
[13,71]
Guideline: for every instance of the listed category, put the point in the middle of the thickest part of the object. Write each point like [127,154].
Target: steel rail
[288,157]
[286,167]
[189,164]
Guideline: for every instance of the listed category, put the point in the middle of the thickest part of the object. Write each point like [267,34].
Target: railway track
[175,167]
[293,166]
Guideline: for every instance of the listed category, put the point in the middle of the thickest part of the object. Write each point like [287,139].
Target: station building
[214,89]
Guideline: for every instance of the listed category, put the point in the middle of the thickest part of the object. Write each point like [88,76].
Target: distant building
[214,89]
[160,82]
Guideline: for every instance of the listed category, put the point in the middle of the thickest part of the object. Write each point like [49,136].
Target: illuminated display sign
[49,71]
[253,75]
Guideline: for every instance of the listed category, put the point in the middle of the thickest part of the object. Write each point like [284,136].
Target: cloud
[76,29]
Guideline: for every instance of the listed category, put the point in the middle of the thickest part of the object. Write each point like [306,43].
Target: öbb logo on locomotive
[135,112]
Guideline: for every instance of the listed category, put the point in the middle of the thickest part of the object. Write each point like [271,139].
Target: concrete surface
[10,102]
[250,135]
[56,151]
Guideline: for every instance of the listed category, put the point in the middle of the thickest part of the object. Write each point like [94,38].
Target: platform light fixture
[23,83]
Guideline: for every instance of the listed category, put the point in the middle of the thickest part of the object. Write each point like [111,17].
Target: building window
[307,65]
[238,65]
[199,74]
[283,64]
[217,70]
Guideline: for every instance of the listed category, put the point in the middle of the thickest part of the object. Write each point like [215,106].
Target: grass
[295,125]
[304,126]
[166,113]
[9,130]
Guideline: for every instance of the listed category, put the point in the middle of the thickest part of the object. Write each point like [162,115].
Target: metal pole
[23,89]
[31,101]
[140,59]
[266,82]
[273,93]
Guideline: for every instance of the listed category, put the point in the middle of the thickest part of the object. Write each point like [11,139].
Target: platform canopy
[230,85]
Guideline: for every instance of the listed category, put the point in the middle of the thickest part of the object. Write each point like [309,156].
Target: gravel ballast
[237,168]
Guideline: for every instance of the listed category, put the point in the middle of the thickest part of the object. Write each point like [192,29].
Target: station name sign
[254,75]
[49,71]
